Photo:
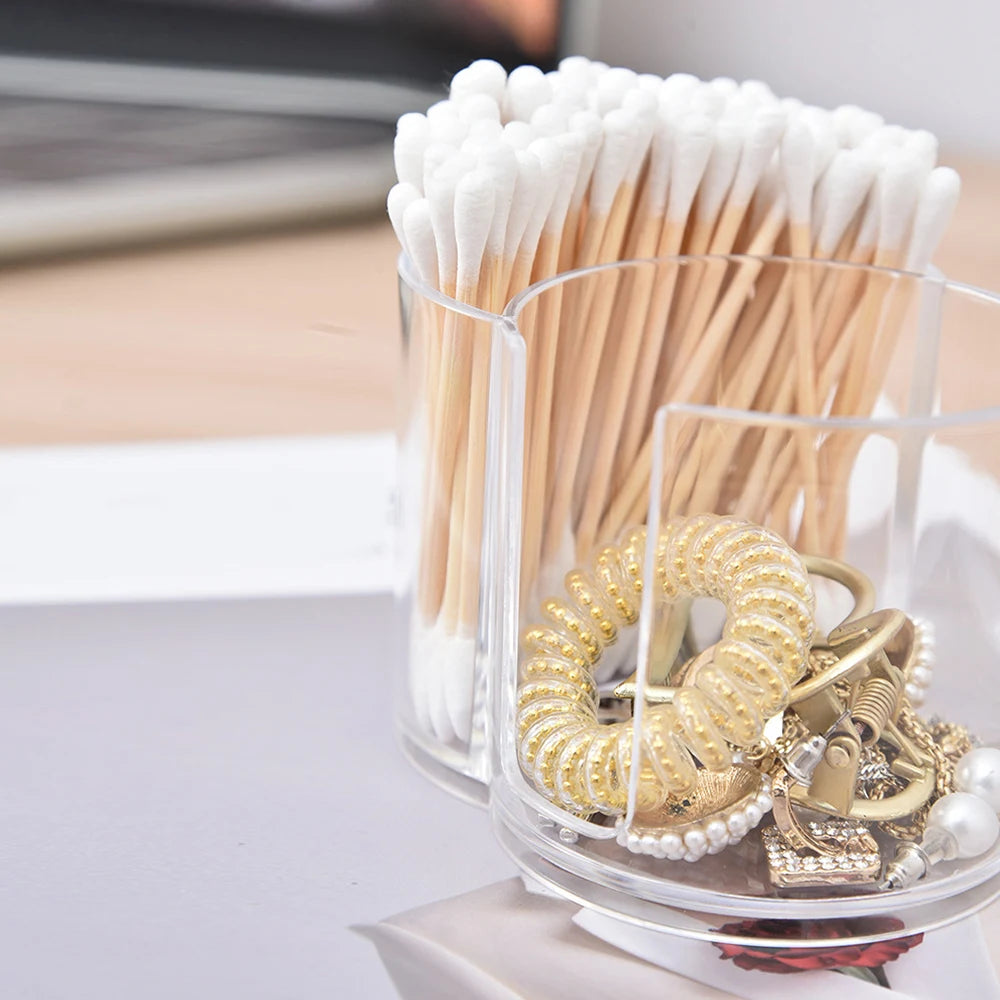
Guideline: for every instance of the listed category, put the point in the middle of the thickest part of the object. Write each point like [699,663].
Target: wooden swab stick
[800,168]
[611,198]
[763,135]
[691,145]
[547,335]
[643,242]
[938,198]
[690,382]
[474,209]
[720,173]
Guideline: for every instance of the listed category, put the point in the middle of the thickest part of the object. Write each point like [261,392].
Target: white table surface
[200,798]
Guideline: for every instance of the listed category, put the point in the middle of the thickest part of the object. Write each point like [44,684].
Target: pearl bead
[671,843]
[765,802]
[738,825]
[978,772]
[969,819]
[717,832]
[753,814]
[695,841]
[921,676]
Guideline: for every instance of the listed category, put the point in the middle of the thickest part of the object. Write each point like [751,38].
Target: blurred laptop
[127,121]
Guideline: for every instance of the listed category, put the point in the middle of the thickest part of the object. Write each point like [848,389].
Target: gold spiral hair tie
[583,765]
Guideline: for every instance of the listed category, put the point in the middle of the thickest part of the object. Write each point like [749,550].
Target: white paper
[191,519]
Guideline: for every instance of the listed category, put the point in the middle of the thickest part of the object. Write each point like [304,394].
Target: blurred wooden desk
[281,334]
[292,333]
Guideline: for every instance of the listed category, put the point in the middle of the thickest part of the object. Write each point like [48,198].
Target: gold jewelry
[722,808]
[584,766]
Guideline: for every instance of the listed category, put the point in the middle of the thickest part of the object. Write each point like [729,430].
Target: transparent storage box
[851,411]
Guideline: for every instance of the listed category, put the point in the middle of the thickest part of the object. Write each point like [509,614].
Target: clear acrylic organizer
[674,384]
[459,437]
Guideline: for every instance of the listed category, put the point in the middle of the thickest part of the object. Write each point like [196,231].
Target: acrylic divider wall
[460,439]
[688,407]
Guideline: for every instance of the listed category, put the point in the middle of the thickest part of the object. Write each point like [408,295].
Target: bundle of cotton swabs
[514,178]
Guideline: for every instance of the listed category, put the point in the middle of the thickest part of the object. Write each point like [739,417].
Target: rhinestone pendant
[853,857]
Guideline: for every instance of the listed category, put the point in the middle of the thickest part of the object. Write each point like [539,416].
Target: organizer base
[463,786]
[581,878]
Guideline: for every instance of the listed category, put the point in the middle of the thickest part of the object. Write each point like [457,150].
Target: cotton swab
[690,149]
[515,178]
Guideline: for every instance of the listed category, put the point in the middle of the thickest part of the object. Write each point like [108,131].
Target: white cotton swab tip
[898,186]
[528,88]
[571,145]
[436,156]
[692,145]
[720,170]
[922,145]
[645,106]
[853,124]
[439,189]
[588,125]
[478,107]
[550,162]
[621,129]
[577,68]
[527,187]
[443,110]
[824,135]
[798,170]
[420,244]
[499,161]
[484,76]
[758,92]
[550,120]
[763,135]
[843,190]
[400,197]
[678,86]
[705,100]
[518,135]
[612,88]
[474,205]
[483,133]
[659,168]
[413,133]
[937,203]
[725,85]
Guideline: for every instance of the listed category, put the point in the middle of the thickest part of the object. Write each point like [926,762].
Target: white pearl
[695,841]
[634,844]
[753,814]
[671,844]
[716,832]
[978,772]
[717,848]
[921,676]
[765,802]
[649,843]
[969,819]
[737,824]
[915,694]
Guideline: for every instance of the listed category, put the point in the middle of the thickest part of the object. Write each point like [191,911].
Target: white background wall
[922,63]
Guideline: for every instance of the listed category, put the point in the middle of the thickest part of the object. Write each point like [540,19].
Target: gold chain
[946,742]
